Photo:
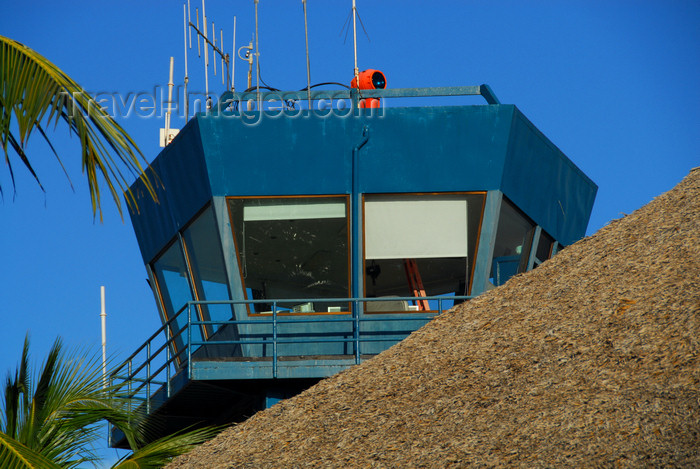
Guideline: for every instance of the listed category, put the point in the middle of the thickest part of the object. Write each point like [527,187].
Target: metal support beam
[533,247]
[487,241]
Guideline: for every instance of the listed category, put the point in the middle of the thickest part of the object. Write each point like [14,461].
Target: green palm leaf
[162,451]
[33,93]
[14,455]
[53,421]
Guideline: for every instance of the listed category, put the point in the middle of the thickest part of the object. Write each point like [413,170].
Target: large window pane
[173,283]
[419,245]
[208,269]
[292,248]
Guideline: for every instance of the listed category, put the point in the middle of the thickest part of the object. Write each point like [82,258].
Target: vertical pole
[206,57]
[356,271]
[356,70]
[148,377]
[187,79]
[170,100]
[308,63]
[257,59]
[233,58]
[213,47]
[274,339]
[103,318]
[221,47]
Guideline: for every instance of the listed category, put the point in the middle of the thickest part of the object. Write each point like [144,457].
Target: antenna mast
[185,15]
[216,49]
[308,64]
[356,70]
[257,56]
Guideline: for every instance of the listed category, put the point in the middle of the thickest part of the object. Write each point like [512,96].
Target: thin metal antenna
[308,63]
[257,56]
[233,58]
[189,20]
[213,32]
[170,100]
[354,38]
[206,56]
[199,51]
[185,14]
[103,320]
[221,46]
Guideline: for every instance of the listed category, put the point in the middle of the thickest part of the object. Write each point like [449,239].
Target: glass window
[513,238]
[544,248]
[419,245]
[208,269]
[170,271]
[292,248]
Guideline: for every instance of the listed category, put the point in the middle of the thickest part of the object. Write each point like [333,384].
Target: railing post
[168,357]
[356,329]
[128,385]
[148,378]
[189,341]
[274,339]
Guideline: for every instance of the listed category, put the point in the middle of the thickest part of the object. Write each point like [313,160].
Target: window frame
[346,200]
[471,265]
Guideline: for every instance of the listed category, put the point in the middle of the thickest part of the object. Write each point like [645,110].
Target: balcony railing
[170,353]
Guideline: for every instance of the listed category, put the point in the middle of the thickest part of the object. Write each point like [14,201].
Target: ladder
[415,283]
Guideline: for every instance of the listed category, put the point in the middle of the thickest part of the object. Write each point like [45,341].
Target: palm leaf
[160,452]
[33,90]
[14,455]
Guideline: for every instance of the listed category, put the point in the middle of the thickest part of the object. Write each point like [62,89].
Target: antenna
[167,134]
[204,34]
[221,46]
[356,70]
[206,55]
[308,64]
[103,320]
[233,62]
[257,56]
[185,15]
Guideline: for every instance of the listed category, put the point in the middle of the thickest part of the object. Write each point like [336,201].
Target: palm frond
[14,455]
[162,451]
[33,90]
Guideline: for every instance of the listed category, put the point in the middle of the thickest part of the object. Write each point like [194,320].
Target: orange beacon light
[369,80]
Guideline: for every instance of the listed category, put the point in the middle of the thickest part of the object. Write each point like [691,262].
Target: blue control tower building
[289,243]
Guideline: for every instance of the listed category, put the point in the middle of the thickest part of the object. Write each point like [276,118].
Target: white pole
[308,64]
[187,28]
[206,56]
[257,58]
[354,39]
[103,317]
[170,100]
[213,47]
[189,20]
[233,58]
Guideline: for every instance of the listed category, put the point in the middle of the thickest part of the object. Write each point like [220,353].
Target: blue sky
[613,84]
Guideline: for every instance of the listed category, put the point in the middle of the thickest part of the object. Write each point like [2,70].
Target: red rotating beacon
[369,80]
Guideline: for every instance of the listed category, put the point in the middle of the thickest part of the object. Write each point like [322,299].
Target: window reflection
[419,245]
[292,248]
[208,269]
[513,241]
[171,275]
[544,248]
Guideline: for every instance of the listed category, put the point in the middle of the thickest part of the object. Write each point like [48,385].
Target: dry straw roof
[589,360]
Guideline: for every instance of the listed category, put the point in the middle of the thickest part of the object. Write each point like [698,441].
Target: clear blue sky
[615,85]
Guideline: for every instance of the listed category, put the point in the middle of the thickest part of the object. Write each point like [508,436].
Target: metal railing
[147,374]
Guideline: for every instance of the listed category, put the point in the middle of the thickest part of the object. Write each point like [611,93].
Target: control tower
[288,244]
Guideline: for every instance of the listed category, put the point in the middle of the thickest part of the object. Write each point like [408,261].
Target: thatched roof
[589,360]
